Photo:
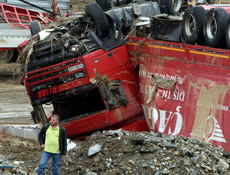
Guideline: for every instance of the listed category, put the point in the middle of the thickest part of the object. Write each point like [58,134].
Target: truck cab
[90,92]
[89,81]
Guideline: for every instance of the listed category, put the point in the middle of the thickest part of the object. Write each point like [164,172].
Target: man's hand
[63,156]
[43,146]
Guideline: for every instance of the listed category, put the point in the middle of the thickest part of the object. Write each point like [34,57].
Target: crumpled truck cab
[85,75]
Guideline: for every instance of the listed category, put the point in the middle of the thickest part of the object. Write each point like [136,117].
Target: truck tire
[111,41]
[214,27]
[192,25]
[171,6]
[104,4]
[177,4]
[227,32]
[35,27]
[96,12]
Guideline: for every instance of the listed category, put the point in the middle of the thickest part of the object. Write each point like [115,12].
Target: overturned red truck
[85,100]
[183,89]
[89,87]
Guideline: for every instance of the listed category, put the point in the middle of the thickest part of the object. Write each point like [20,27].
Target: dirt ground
[16,149]
[124,153]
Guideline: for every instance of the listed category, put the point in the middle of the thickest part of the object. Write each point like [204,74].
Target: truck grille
[44,84]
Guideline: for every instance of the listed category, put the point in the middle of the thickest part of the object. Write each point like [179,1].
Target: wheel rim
[190,25]
[176,5]
[211,28]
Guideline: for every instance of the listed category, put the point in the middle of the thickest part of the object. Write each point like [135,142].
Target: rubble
[18,156]
[145,153]
[94,150]
[121,152]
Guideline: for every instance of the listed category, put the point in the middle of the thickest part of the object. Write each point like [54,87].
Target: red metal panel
[210,6]
[103,120]
[139,125]
[199,105]
[19,17]
[106,61]
[115,117]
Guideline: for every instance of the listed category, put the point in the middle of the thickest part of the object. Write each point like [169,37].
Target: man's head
[54,120]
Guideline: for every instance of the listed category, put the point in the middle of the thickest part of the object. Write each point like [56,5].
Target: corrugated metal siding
[46,4]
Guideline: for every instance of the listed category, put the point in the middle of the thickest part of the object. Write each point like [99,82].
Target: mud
[15,149]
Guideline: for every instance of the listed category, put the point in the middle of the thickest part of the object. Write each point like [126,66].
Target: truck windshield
[80,105]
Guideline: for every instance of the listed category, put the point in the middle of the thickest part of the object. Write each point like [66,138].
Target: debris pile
[119,152]
[18,156]
[57,44]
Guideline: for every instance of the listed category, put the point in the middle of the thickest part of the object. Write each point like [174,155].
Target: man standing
[52,139]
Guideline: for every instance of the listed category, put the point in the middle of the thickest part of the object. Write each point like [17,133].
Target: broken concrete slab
[94,150]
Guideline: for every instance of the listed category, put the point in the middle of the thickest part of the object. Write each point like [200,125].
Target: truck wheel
[96,12]
[177,4]
[214,27]
[172,6]
[104,4]
[192,25]
[35,27]
[227,32]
